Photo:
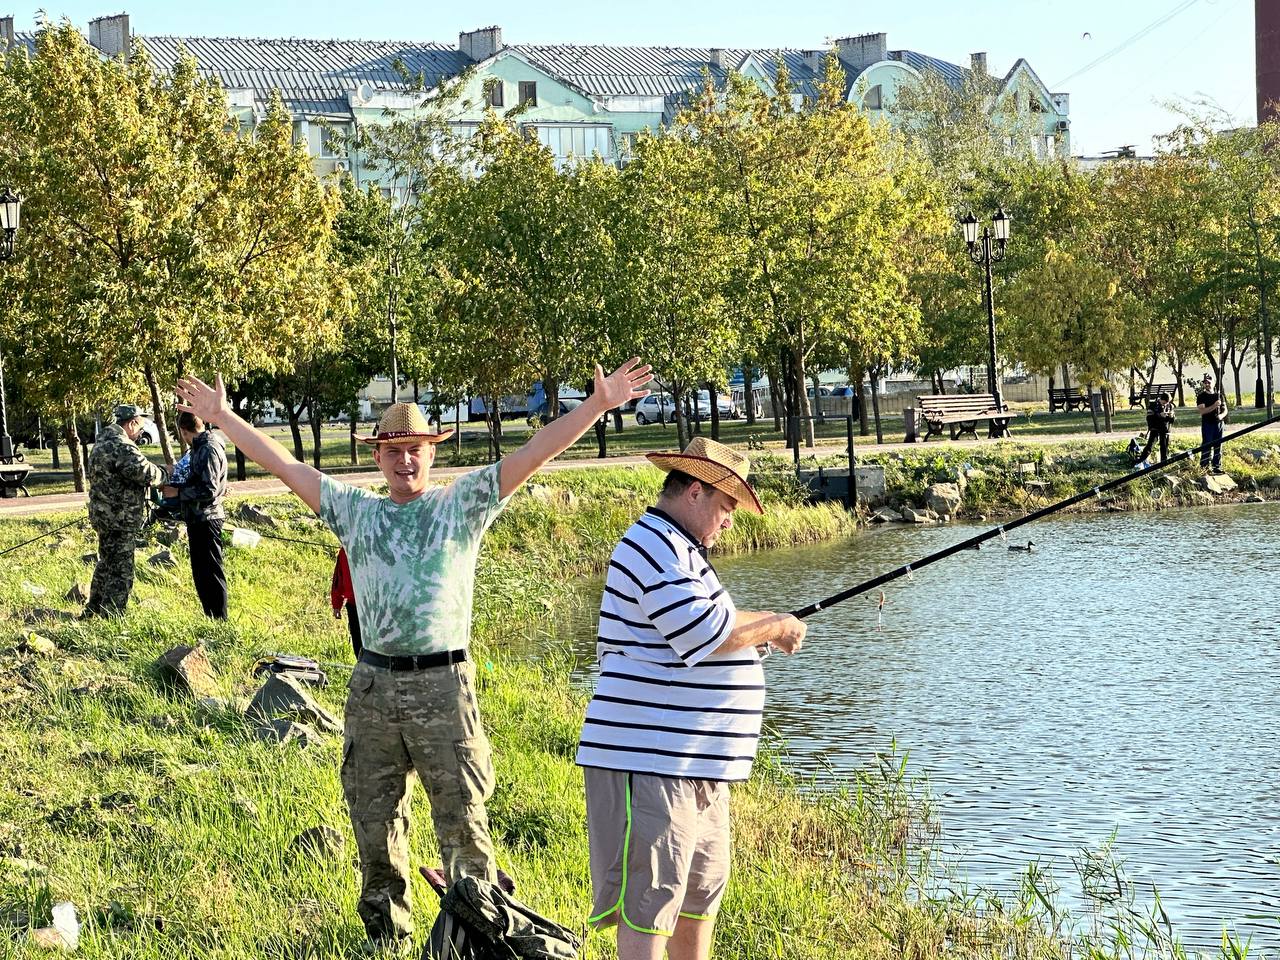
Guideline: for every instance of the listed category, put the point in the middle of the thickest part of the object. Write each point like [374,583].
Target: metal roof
[610,71]
[953,74]
[313,76]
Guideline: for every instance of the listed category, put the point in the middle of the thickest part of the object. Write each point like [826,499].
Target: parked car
[655,408]
[538,415]
[729,410]
[150,435]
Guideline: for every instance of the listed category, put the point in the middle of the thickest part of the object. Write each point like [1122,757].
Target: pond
[1122,678]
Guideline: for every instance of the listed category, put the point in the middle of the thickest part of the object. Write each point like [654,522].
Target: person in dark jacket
[1159,419]
[200,502]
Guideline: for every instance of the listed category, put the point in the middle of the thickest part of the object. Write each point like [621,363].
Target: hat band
[405,434]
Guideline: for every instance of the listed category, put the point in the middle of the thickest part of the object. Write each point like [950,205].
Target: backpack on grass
[482,921]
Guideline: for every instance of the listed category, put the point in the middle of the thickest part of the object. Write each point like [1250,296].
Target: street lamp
[10,212]
[982,252]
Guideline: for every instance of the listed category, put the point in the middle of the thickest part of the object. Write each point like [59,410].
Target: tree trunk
[295,427]
[353,418]
[817,399]
[157,414]
[713,395]
[696,425]
[802,399]
[239,405]
[1052,380]
[617,419]
[875,402]
[457,427]
[317,425]
[1177,371]
[1107,405]
[77,457]
[551,392]
[493,420]
[682,426]
[1259,386]
[942,384]
[1237,361]
[1093,410]
[864,426]
[1066,377]
[774,398]
[416,395]
[748,393]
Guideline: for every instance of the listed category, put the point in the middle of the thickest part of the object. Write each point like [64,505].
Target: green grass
[169,826]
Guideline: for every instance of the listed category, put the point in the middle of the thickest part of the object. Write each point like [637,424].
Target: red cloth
[341,591]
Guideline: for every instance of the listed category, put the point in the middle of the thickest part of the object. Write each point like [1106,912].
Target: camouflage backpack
[482,921]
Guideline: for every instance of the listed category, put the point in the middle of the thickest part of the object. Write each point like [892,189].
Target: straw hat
[405,421]
[716,465]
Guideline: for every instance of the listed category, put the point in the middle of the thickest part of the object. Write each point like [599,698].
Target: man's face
[407,466]
[709,513]
[132,428]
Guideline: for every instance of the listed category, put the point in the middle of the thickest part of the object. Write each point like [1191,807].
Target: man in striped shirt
[676,713]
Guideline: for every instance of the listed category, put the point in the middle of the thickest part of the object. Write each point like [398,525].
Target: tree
[674,262]
[817,204]
[165,238]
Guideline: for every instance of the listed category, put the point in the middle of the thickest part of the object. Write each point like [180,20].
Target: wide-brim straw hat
[716,465]
[405,421]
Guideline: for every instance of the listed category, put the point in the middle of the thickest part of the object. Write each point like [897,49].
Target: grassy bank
[170,827]
[1009,478]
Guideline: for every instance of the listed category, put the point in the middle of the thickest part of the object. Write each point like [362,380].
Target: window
[495,93]
[629,141]
[571,141]
[333,141]
[528,92]
[1034,103]
[872,100]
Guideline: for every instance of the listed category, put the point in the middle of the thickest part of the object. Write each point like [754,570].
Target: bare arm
[621,386]
[209,403]
[782,631]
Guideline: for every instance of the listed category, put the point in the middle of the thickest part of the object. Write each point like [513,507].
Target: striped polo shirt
[667,703]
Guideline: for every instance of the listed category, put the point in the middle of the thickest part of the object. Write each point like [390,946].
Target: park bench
[13,476]
[961,413]
[1140,396]
[1067,398]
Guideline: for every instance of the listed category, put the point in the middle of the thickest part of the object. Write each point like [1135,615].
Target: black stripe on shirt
[690,625]
[661,535]
[634,624]
[684,731]
[644,553]
[666,583]
[682,683]
[716,635]
[666,753]
[742,712]
[630,576]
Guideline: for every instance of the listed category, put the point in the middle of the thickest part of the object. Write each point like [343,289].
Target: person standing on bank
[1213,411]
[120,477]
[676,713]
[412,702]
[200,498]
[1159,420]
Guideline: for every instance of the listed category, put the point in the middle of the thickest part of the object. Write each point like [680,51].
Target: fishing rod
[47,533]
[972,542]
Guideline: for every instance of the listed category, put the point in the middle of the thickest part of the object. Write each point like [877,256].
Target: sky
[1161,51]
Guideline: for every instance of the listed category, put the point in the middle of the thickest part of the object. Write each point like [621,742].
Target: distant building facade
[583,99]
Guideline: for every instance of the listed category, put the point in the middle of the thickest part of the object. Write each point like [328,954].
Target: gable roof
[313,76]
[615,71]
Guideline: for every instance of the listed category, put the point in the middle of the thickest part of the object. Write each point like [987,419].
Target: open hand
[624,384]
[209,403]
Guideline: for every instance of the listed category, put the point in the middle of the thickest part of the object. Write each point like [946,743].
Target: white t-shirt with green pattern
[413,565]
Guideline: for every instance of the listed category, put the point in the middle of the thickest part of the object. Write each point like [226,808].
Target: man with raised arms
[412,701]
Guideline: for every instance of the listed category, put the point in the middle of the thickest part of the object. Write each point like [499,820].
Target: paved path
[32,506]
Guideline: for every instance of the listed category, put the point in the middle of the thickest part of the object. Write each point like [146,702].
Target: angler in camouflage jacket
[120,477]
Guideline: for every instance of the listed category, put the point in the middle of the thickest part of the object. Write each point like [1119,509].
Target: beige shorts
[659,848]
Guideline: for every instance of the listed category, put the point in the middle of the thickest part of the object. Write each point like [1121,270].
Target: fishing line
[972,542]
[27,543]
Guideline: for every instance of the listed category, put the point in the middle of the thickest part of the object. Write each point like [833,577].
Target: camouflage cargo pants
[399,723]
[113,576]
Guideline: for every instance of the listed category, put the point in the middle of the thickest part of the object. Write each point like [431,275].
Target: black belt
[424,661]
